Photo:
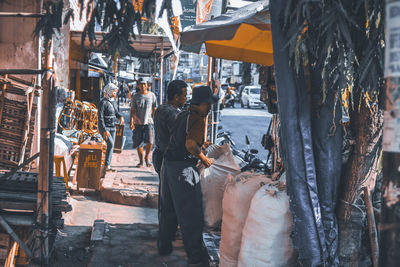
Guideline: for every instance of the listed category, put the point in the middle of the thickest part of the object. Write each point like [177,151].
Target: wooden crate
[119,135]
[89,168]
[17,124]
[4,246]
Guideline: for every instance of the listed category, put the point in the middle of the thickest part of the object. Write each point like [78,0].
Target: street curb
[136,198]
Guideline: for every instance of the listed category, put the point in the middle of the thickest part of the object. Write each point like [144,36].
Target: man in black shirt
[164,118]
[181,197]
[107,116]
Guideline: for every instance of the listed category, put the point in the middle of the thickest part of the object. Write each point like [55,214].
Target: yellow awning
[242,35]
[250,44]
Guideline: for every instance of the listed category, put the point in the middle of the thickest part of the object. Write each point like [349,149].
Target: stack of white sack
[236,204]
[266,238]
[213,181]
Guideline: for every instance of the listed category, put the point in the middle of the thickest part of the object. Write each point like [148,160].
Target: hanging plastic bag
[236,203]
[266,238]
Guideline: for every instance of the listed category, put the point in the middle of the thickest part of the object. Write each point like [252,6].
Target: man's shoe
[140,165]
[109,169]
[164,249]
[148,163]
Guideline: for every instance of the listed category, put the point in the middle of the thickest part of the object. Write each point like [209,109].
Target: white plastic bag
[213,180]
[62,147]
[266,238]
[236,204]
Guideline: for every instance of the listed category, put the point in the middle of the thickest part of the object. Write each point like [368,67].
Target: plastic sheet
[310,152]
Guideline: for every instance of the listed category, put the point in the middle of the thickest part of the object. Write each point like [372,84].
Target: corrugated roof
[146,45]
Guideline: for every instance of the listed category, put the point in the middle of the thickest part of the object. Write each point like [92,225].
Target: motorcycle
[246,159]
[230,100]
[254,163]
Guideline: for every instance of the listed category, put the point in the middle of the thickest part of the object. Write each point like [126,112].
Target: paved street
[250,122]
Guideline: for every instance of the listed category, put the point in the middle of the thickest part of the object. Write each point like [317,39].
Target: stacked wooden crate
[18,204]
[18,105]
[18,198]
[5,243]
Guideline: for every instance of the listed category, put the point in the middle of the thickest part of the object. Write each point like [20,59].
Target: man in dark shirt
[107,116]
[164,118]
[181,197]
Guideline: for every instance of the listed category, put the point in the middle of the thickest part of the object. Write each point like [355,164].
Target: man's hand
[106,135]
[207,161]
[121,121]
[132,125]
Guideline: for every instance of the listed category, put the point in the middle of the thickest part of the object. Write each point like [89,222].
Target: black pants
[181,203]
[157,162]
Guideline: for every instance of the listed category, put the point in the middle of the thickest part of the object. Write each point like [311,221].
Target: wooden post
[78,85]
[43,195]
[373,234]
[3,99]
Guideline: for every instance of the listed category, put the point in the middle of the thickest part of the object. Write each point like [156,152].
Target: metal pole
[161,71]
[11,232]
[20,15]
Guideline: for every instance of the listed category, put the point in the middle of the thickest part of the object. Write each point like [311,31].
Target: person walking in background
[107,116]
[181,197]
[143,106]
[122,93]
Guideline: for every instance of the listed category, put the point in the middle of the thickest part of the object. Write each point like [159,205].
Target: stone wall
[18,47]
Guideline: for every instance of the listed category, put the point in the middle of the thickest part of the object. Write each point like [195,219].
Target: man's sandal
[148,164]
[140,165]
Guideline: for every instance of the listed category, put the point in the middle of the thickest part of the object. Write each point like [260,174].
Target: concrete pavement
[129,238]
[130,185]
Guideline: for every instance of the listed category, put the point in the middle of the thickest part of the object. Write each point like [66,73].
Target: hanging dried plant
[51,21]
[117,20]
[344,38]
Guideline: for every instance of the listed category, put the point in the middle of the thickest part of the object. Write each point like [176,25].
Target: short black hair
[175,88]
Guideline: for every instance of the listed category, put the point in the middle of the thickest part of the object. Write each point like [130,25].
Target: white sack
[236,204]
[266,235]
[213,180]
[62,147]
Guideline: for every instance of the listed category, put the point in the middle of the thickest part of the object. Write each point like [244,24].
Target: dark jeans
[110,145]
[181,203]
[157,162]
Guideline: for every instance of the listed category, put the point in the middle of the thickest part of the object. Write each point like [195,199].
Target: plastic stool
[58,160]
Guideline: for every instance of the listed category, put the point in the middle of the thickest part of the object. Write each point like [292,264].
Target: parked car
[239,92]
[251,97]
